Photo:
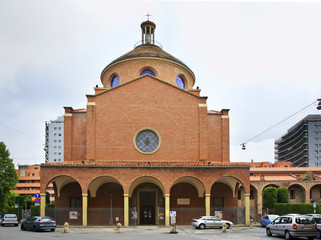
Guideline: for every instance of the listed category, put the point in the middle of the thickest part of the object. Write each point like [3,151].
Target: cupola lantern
[148,32]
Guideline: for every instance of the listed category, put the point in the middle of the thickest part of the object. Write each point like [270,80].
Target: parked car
[317,219]
[210,221]
[267,219]
[9,219]
[39,223]
[292,226]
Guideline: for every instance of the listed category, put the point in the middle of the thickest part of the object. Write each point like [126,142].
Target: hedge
[300,208]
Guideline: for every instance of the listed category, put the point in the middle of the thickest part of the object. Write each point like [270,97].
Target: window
[147,141]
[55,141]
[239,195]
[75,202]
[147,71]
[251,194]
[292,194]
[55,128]
[316,164]
[114,81]
[180,82]
[59,128]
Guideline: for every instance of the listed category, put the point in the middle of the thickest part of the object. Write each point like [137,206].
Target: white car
[9,219]
[210,222]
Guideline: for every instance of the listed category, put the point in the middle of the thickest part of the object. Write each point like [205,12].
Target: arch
[145,179]
[315,193]
[270,185]
[297,193]
[232,182]
[194,182]
[98,182]
[61,181]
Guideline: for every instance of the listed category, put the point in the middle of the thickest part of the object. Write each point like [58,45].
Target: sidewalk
[150,229]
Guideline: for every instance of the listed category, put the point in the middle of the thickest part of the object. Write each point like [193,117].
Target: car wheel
[318,234]
[22,227]
[34,229]
[268,232]
[288,235]
[52,230]
[310,238]
[201,226]
[228,225]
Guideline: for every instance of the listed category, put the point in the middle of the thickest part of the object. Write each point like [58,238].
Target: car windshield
[10,216]
[304,220]
[272,217]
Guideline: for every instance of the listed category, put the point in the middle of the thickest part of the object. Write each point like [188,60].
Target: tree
[8,176]
[269,197]
[282,195]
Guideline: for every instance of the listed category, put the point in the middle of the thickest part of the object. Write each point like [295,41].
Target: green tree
[269,197]
[8,176]
[283,195]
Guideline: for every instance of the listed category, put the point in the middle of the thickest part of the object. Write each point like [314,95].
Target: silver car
[9,219]
[292,226]
[210,222]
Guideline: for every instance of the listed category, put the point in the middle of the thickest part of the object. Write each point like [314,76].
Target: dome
[147,50]
[150,56]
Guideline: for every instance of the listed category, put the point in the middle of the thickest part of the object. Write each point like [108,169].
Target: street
[136,233]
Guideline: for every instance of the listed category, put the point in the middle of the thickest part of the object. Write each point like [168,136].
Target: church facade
[146,144]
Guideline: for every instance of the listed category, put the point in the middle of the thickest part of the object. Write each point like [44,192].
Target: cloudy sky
[260,60]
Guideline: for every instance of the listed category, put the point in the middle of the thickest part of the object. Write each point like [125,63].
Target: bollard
[118,226]
[66,227]
[224,227]
[251,223]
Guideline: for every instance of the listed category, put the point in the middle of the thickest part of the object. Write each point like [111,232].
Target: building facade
[54,145]
[146,144]
[302,144]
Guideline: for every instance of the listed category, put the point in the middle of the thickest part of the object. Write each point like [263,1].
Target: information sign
[37,195]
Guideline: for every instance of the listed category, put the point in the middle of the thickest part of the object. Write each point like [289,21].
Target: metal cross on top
[148,15]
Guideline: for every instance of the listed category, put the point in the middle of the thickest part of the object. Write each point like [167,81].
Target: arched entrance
[315,193]
[68,201]
[228,199]
[297,194]
[146,203]
[187,199]
[105,201]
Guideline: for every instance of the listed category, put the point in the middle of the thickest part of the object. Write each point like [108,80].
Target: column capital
[42,194]
[247,195]
[126,195]
[207,194]
[85,195]
[167,195]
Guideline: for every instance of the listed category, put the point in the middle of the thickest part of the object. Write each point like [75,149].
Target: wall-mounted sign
[183,201]
[73,215]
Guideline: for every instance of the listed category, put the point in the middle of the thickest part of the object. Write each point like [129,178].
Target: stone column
[84,209]
[247,208]
[208,204]
[167,207]
[259,203]
[42,204]
[126,210]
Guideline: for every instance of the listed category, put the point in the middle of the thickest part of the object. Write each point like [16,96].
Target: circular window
[115,81]
[147,71]
[180,82]
[147,141]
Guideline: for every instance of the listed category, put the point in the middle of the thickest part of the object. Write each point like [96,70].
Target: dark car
[39,223]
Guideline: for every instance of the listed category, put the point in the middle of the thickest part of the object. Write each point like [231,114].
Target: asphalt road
[137,233]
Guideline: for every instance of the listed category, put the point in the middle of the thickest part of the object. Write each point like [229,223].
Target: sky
[261,60]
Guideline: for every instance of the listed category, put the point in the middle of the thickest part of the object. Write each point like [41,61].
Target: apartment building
[301,145]
[54,145]
[29,182]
